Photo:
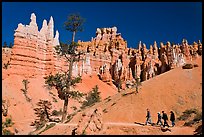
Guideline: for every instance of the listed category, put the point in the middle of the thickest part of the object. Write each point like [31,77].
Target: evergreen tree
[92,97]
[10,45]
[5,45]
[137,84]
[63,82]
[43,113]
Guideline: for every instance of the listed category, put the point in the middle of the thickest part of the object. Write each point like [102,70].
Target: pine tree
[43,113]
[92,97]
[137,84]
[10,45]
[63,82]
[5,45]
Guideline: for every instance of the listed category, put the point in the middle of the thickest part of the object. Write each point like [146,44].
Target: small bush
[38,124]
[190,111]
[25,90]
[6,65]
[7,132]
[54,99]
[198,130]
[43,113]
[48,127]
[51,93]
[124,94]
[92,98]
[189,123]
[74,108]
[8,122]
[187,113]
[198,117]
[56,113]
[5,108]
[187,66]
[69,117]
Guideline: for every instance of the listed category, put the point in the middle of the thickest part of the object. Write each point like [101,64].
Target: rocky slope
[176,90]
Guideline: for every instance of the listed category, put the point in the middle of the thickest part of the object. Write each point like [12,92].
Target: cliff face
[115,63]
[33,51]
[6,56]
[108,55]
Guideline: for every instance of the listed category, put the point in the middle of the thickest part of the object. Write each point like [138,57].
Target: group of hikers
[160,117]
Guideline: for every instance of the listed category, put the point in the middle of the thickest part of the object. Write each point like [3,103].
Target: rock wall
[119,65]
[33,52]
[6,56]
[108,51]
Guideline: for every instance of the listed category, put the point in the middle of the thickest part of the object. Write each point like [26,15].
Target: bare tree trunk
[73,36]
[137,84]
[64,114]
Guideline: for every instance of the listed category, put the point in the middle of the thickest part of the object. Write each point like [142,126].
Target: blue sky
[136,21]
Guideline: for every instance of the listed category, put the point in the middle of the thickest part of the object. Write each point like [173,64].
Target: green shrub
[8,122]
[57,113]
[5,108]
[48,127]
[92,98]
[54,99]
[190,111]
[189,123]
[198,130]
[124,94]
[187,66]
[7,132]
[187,113]
[6,65]
[69,117]
[198,117]
[25,90]
[74,108]
[43,113]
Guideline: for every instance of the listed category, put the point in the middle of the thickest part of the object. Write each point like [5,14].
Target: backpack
[165,116]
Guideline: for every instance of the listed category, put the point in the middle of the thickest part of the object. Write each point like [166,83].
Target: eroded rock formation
[33,52]
[106,55]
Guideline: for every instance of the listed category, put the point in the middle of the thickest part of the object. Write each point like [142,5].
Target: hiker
[172,118]
[165,118]
[148,117]
[159,119]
